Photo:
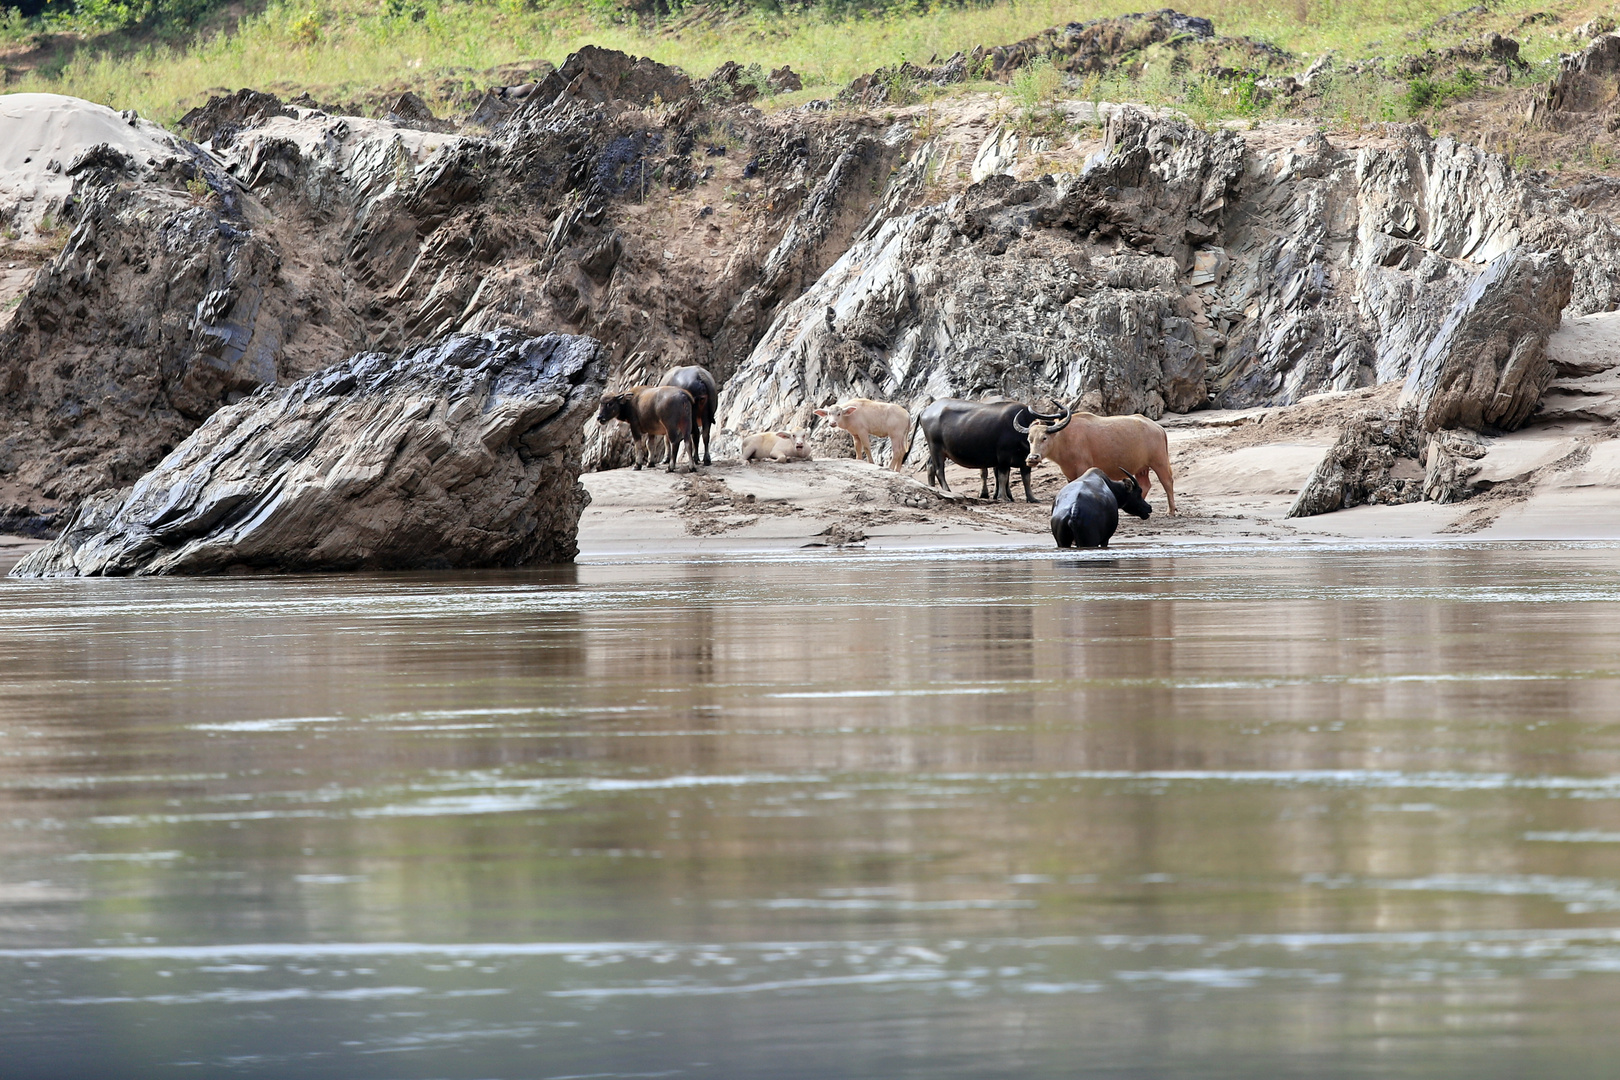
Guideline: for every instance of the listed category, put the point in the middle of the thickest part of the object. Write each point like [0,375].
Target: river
[1199,812]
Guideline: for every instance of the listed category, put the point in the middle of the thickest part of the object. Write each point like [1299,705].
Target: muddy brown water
[1333,811]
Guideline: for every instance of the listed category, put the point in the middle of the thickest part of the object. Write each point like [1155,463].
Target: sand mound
[41,137]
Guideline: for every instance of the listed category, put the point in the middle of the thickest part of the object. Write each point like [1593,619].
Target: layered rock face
[1587,82]
[460,454]
[290,237]
[1487,366]
[1182,267]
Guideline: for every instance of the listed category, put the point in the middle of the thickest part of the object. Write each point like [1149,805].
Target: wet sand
[1237,473]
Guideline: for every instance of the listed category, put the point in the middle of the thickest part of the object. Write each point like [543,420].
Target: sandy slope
[41,134]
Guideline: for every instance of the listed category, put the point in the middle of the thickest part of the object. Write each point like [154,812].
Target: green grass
[339,47]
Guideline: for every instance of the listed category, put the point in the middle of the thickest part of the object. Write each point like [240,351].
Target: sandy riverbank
[1236,475]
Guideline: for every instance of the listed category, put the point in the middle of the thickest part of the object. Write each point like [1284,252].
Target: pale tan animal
[866,420]
[1119,445]
[776,446]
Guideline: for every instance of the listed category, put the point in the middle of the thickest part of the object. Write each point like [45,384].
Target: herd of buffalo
[1109,461]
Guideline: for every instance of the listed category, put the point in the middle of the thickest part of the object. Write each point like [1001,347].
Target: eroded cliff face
[1180,267]
[1143,265]
[608,199]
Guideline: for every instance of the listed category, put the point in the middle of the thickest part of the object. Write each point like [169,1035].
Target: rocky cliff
[1123,260]
[614,197]
[460,454]
[1180,266]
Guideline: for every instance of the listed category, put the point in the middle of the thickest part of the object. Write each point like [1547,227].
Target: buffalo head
[1128,493]
[614,407]
[1042,426]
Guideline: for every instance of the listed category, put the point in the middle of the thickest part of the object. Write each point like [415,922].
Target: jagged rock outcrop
[224,115]
[1181,266]
[1102,45]
[162,305]
[1450,466]
[460,454]
[1487,366]
[294,236]
[1587,82]
[1373,461]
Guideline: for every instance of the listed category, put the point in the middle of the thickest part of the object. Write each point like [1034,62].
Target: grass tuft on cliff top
[338,49]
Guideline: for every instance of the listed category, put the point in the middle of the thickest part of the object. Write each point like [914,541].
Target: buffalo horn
[1063,421]
[1022,429]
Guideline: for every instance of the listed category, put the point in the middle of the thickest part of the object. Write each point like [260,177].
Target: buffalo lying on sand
[1086,512]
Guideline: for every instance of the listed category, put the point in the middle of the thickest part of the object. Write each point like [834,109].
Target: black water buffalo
[705,398]
[650,411]
[979,435]
[1086,512]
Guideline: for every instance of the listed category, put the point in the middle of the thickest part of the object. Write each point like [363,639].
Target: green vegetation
[338,48]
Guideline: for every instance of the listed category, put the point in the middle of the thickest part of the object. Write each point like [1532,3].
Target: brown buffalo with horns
[1119,445]
[651,411]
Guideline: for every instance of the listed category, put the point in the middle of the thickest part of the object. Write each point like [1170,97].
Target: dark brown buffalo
[705,399]
[651,411]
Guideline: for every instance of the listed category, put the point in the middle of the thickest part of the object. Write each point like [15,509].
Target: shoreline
[1236,472]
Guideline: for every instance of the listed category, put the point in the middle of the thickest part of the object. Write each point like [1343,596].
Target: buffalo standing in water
[1086,512]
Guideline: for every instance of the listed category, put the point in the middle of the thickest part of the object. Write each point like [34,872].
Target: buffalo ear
[821,412]
[784,434]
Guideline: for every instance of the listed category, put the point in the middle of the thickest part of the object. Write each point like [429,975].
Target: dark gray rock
[459,454]
[1487,366]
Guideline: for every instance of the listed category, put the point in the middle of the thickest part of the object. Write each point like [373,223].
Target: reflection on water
[1220,813]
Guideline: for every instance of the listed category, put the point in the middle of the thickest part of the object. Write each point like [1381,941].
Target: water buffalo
[705,397]
[650,411]
[1086,512]
[867,420]
[981,435]
[1120,445]
[776,445]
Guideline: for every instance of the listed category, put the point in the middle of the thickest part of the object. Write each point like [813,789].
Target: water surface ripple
[1219,812]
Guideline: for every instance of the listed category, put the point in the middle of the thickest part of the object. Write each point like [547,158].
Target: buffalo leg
[1169,486]
[1029,496]
[692,450]
[708,427]
[1060,533]
[936,467]
[984,483]
[1004,485]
